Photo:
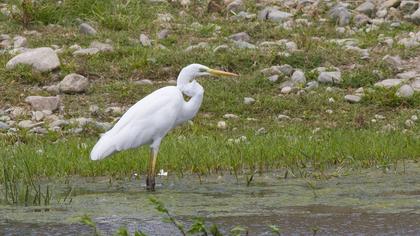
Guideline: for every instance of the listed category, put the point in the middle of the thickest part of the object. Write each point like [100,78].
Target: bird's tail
[103,148]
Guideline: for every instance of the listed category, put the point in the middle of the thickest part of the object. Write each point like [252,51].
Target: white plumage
[151,118]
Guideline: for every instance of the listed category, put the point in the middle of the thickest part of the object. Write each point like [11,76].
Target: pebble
[352,98]
[405,91]
[87,29]
[221,125]
[249,100]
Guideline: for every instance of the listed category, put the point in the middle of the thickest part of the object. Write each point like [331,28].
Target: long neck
[183,79]
[190,108]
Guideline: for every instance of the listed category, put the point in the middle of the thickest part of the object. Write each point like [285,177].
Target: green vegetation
[312,139]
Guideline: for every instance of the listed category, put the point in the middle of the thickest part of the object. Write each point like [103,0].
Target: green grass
[346,137]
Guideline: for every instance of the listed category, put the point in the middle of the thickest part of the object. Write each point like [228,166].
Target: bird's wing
[150,118]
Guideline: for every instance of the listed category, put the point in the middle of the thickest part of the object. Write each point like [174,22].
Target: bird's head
[193,71]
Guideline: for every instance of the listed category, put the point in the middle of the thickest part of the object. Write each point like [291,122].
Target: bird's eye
[202,70]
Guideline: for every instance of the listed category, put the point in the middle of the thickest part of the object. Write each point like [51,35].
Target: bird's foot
[150,184]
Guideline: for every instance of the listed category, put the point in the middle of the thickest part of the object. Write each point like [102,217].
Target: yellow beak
[221,73]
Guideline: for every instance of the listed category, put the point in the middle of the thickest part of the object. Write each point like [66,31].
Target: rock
[394,61]
[19,42]
[85,28]
[415,17]
[274,14]
[94,110]
[103,47]
[249,100]
[390,3]
[41,59]
[416,85]
[409,123]
[405,91]
[409,7]
[298,77]
[28,124]
[273,78]
[73,83]
[58,123]
[242,36]
[409,42]
[86,51]
[389,83]
[367,8]
[221,125]
[230,116]
[381,13]
[361,20]
[163,34]
[407,75]
[53,89]
[221,48]
[104,126]
[38,115]
[40,103]
[329,111]
[145,41]
[340,14]
[202,45]
[235,5]
[82,121]
[144,82]
[352,98]
[287,83]
[75,47]
[283,117]
[330,77]
[283,69]
[291,46]
[244,45]
[39,130]
[286,90]
[414,118]
[243,16]
[260,131]
[312,85]
[4,126]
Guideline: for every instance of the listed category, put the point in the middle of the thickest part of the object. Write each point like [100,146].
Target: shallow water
[364,202]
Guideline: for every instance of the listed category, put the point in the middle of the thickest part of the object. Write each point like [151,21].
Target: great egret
[151,118]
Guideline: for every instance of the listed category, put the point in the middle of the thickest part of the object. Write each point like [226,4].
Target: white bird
[151,118]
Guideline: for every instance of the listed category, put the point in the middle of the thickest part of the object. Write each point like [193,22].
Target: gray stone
[367,8]
[409,123]
[41,59]
[19,42]
[235,6]
[230,116]
[53,89]
[74,83]
[273,14]
[38,115]
[28,124]
[330,77]
[352,98]
[390,3]
[103,47]
[415,17]
[94,110]
[85,28]
[405,91]
[416,85]
[382,13]
[221,125]
[273,78]
[283,117]
[202,45]
[298,77]
[312,85]
[4,126]
[286,90]
[163,34]
[244,45]
[86,51]
[242,36]
[144,82]
[221,48]
[407,75]
[340,14]
[145,41]
[361,20]
[287,83]
[40,103]
[389,83]
[114,110]
[409,7]
[58,123]
[248,100]
[394,61]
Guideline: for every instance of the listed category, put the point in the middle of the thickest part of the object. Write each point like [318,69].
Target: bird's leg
[150,180]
